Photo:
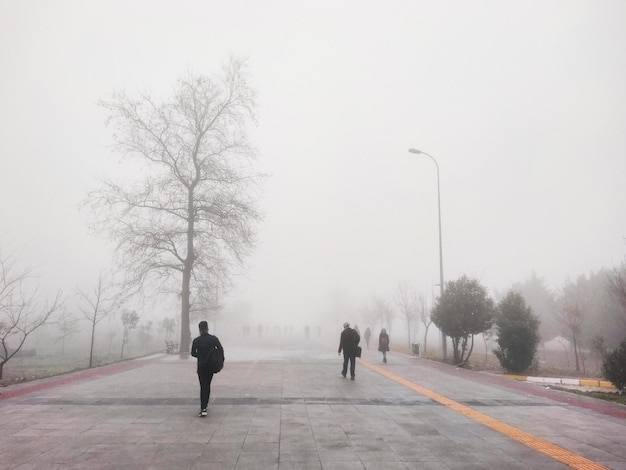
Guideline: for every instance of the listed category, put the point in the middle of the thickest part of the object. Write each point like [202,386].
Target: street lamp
[444,349]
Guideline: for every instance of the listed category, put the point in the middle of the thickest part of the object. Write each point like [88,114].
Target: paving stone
[286,408]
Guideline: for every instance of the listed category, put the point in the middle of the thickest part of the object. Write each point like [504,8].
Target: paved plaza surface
[286,406]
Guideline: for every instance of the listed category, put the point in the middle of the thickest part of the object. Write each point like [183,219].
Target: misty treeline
[589,311]
[22,311]
[61,332]
[586,315]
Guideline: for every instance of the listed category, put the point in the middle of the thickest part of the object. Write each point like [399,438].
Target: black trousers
[352,359]
[205,388]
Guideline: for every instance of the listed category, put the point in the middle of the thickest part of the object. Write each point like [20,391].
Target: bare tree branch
[617,287]
[19,313]
[97,302]
[406,299]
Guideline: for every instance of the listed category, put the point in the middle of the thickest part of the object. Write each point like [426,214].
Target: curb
[563,381]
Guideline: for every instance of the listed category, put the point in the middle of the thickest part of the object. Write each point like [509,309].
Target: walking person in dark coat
[204,347]
[367,335]
[383,344]
[348,343]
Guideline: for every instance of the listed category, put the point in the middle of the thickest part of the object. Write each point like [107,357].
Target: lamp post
[444,349]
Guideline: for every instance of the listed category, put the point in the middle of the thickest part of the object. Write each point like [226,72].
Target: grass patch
[26,369]
[614,397]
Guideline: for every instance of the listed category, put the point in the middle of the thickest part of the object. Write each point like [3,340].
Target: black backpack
[216,360]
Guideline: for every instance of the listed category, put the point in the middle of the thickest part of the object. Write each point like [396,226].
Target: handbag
[358,351]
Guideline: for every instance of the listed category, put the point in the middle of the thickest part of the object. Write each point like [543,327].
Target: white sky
[523,105]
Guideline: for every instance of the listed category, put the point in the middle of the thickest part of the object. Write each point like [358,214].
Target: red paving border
[76,377]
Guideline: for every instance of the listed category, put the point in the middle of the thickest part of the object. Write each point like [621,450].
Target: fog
[521,104]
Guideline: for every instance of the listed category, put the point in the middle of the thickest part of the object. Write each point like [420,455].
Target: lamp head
[415,151]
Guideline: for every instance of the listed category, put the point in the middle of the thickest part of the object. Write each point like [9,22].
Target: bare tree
[96,303]
[380,311]
[129,320]
[572,315]
[189,217]
[20,313]
[488,337]
[617,287]
[572,311]
[168,325]
[68,327]
[111,336]
[369,315]
[206,306]
[542,301]
[145,335]
[424,316]
[406,299]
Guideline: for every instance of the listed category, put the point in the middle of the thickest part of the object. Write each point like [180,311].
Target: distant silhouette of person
[203,348]
[356,328]
[367,335]
[383,344]
[348,342]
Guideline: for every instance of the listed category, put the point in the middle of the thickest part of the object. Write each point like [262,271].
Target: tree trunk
[185,332]
[462,356]
[110,344]
[1,367]
[455,347]
[582,362]
[408,330]
[486,349]
[93,334]
[124,342]
[469,353]
[576,352]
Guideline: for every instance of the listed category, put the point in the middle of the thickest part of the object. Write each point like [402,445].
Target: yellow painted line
[521,378]
[589,383]
[541,445]
[596,383]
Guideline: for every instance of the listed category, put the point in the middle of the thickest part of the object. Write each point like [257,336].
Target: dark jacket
[349,341]
[202,347]
[383,342]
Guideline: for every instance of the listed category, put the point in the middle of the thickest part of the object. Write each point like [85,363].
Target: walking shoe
[202,414]
[343,375]
[352,378]
[385,360]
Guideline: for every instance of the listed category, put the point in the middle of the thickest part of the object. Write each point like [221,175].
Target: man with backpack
[210,354]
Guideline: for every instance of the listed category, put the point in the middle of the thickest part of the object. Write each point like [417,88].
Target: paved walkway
[287,407]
